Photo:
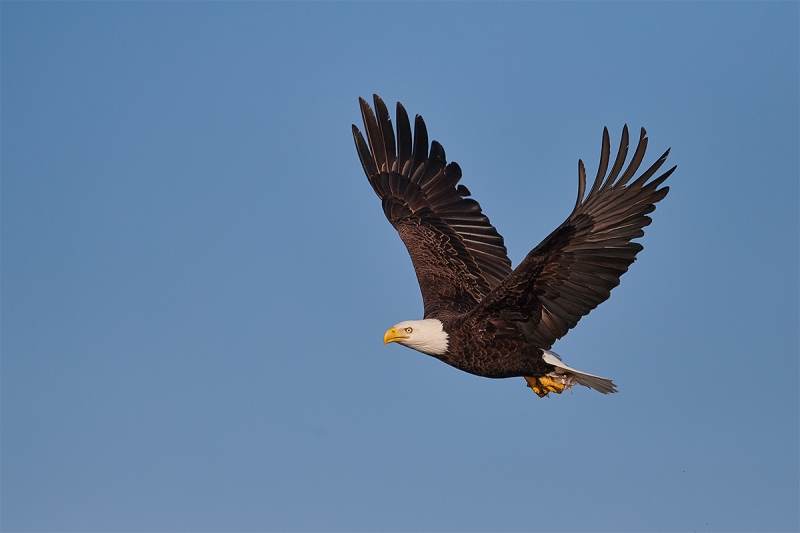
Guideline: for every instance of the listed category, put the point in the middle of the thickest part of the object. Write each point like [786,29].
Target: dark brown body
[479,347]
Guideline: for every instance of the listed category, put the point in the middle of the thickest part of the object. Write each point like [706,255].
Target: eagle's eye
[409,330]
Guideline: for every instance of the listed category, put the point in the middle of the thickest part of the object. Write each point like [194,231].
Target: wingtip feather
[581,183]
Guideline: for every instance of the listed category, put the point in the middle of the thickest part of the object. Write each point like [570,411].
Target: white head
[427,336]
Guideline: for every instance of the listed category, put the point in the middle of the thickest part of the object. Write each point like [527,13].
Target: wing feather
[374,136]
[387,134]
[601,169]
[420,155]
[405,145]
[622,153]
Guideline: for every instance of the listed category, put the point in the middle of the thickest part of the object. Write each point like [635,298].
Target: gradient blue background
[196,276]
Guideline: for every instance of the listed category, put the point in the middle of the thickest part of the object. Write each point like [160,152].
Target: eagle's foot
[544,385]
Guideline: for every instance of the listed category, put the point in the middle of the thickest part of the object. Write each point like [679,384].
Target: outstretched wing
[574,269]
[457,254]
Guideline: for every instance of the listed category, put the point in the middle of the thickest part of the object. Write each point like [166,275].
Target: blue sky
[196,276]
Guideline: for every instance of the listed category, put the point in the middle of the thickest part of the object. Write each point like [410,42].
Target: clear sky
[196,276]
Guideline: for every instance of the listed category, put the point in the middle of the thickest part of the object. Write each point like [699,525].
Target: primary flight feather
[481,316]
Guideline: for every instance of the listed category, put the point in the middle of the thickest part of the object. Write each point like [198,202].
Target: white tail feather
[597,383]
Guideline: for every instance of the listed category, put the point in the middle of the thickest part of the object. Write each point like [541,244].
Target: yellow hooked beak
[393,336]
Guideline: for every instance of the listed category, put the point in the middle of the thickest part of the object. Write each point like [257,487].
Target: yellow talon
[543,385]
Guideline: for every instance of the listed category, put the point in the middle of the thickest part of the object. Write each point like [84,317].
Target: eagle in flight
[481,316]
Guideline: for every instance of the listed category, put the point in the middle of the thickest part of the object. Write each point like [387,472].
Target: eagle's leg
[543,385]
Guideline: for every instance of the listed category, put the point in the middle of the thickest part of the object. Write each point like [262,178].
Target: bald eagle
[480,316]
